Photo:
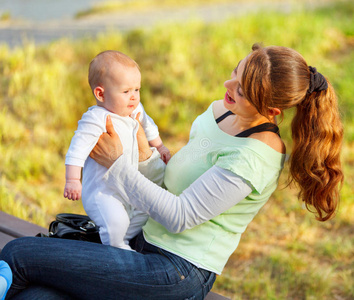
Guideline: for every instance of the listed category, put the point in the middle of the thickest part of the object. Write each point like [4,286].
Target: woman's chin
[228,105]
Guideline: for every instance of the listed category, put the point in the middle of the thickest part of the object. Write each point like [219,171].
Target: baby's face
[122,90]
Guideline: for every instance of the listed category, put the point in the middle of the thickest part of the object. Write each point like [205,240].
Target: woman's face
[234,98]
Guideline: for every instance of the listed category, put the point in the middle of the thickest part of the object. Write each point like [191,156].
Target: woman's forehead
[240,64]
[235,70]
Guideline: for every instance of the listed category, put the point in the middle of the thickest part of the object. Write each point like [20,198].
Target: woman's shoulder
[271,139]
[218,108]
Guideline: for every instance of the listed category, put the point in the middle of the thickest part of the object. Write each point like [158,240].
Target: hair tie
[317,81]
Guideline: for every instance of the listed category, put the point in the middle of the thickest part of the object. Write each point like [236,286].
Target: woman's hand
[108,147]
[144,148]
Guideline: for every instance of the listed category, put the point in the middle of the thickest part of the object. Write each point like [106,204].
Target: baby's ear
[99,93]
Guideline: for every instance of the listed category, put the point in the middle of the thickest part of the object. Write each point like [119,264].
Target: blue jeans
[50,269]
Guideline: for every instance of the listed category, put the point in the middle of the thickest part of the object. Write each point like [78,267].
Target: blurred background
[186,50]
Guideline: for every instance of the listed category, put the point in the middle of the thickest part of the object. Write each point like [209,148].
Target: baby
[115,82]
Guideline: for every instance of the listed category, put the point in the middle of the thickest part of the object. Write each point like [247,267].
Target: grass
[285,253]
[150,5]
[5,16]
[140,5]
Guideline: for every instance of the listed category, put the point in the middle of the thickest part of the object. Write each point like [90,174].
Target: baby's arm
[163,150]
[73,186]
[86,136]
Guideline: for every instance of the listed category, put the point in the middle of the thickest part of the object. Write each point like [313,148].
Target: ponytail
[315,164]
[280,77]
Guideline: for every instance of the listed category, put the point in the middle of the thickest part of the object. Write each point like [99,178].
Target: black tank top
[259,128]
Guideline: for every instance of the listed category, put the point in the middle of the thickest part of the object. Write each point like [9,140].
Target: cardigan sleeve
[211,194]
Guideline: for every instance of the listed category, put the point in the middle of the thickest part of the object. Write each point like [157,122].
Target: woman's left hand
[108,147]
[144,149]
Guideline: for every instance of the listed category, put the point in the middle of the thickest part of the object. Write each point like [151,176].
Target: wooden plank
[214,296]
[4,239]
[16,227]
[12,228]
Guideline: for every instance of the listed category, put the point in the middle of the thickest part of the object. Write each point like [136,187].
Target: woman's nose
[227,83]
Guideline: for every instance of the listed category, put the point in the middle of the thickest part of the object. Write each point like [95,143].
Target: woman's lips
[228,99]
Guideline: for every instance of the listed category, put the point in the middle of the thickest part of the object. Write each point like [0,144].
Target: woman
[216,185]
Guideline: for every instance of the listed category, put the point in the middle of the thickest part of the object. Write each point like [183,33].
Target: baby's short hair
[100,65]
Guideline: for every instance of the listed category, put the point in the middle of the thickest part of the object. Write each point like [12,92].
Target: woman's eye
[239,92]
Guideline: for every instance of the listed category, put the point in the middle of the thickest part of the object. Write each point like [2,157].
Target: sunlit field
[108,7]
[285,253]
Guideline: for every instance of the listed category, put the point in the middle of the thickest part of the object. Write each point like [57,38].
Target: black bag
[74,227]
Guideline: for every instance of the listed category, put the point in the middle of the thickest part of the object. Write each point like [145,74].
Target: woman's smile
[228,99]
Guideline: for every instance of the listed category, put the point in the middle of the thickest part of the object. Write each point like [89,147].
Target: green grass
[141,5]
[285,253]
[150,5]
[5,16]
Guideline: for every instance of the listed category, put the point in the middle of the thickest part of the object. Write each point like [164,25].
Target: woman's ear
[273,111]
[99,93]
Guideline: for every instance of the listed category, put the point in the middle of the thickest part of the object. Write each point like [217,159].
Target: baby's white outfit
[117,220]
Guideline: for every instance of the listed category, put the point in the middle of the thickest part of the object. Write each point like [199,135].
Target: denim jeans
[51,269]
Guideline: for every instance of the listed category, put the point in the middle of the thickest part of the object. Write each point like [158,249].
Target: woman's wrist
[144,154]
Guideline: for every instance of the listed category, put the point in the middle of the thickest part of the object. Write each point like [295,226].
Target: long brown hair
[280,77]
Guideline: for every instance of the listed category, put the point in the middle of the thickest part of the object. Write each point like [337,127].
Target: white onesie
[117,220]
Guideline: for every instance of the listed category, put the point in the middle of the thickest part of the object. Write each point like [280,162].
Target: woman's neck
[241,123]
[234,124]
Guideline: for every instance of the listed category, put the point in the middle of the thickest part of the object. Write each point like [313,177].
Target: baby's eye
[126,92]
[137,90]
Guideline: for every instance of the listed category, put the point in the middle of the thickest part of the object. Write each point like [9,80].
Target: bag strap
[77,221]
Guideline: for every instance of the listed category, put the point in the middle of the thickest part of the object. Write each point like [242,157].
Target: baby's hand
[72,189]
[164,152]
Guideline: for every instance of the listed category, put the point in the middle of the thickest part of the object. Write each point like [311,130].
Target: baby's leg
[110,215]
[137,221]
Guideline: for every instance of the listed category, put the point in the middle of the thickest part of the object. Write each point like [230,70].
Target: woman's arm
[214,192]
[150,128]
[153,168]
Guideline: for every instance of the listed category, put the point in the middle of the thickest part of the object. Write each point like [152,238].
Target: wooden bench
[12,228]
